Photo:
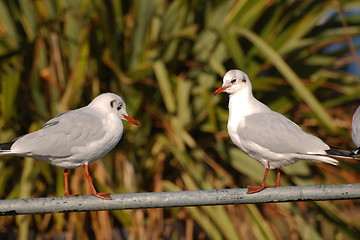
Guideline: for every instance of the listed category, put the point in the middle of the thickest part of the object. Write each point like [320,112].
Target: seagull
[355,133]
[76,138]
[268,136]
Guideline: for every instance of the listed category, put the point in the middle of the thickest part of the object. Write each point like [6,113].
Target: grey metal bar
[178,199]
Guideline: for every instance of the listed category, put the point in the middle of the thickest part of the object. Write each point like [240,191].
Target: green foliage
[165,58]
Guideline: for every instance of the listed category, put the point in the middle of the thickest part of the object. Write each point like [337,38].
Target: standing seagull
[76,138]
[265,135]
[355,133]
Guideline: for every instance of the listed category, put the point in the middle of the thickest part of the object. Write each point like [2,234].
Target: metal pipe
[178,199]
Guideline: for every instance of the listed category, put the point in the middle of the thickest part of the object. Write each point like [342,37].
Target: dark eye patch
[112,103]
[234,80]
[119,107]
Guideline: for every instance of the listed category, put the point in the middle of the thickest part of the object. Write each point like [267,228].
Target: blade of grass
[162,77]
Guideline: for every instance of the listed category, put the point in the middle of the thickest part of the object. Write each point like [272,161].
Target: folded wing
[59,135]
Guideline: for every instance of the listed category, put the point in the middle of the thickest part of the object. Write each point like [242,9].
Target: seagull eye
[233,81]
[119,107]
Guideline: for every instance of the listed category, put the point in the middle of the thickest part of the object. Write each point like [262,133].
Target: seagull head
[111,103]
[234,81]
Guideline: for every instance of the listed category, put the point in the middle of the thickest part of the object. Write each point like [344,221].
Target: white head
[234,81]
[112,103]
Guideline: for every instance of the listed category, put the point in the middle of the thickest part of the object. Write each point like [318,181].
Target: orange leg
[105,196]
[66,183]
[255,189]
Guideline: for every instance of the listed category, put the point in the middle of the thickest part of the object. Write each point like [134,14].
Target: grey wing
[355,133]
[54,120]
[275,132]
[59,135]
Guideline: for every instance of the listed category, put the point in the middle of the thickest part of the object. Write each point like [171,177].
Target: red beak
[219,90]
[130,119]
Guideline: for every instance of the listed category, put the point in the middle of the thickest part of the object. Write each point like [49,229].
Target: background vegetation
[165,58]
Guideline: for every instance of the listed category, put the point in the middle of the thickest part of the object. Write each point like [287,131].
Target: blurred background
[166,58]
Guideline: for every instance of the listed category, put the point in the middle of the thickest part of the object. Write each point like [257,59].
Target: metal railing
[178,199]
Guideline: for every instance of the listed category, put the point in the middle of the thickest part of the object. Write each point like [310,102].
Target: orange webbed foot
[254,189]
[105,196]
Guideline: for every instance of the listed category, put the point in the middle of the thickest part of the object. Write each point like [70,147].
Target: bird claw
[105,196]
[71,195]
[254,189]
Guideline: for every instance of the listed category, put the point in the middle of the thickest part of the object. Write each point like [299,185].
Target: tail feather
[355,152]
[338,152]
[343,154]
[324,158]
[5,147]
